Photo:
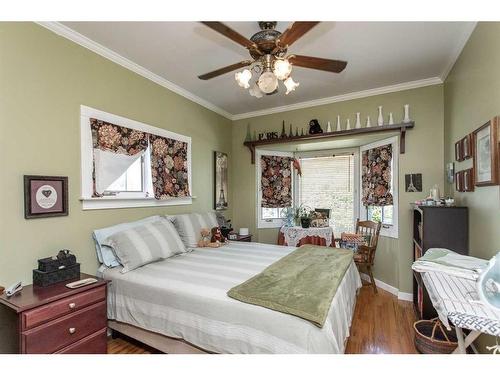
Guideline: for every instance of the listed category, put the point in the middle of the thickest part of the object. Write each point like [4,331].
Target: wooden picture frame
[45,196]
[459,181]
[486,163]
[459,151]
[468,179]
[220,181]
[467,147]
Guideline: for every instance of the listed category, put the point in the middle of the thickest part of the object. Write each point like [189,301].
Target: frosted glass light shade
[243,78]
[282,69]
[290,85]
[268,82]
[255,91]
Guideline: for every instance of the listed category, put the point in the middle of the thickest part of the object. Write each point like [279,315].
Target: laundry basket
[432,338]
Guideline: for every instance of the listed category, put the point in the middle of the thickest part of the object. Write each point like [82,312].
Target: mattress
[185,297]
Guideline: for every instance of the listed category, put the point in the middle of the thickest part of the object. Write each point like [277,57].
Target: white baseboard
[389,288]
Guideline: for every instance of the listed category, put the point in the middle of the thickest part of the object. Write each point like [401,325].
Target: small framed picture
[468,179]
[486,163]
[45,196]
[459,181]
[459,151]
[467,145]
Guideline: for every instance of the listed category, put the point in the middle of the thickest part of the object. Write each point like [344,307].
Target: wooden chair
[365,256]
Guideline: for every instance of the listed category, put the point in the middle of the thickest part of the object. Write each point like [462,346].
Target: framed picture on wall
[45,196]
[467,147]
[458,151]
[486,161]
[468,179]
[220,180]
[459,181]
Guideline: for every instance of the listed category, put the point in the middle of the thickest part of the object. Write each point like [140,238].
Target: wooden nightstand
[55,319]
[245,238]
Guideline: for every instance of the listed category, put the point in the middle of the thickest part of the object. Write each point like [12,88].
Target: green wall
[44,79]
[471,98]
[424,154]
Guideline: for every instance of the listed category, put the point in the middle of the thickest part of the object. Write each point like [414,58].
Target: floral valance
[276,181]
[169,167]
[376,176]
[116,138]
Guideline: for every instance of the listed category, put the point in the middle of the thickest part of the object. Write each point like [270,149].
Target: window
[270,217]
[388,215]
[330,182]
[122,180]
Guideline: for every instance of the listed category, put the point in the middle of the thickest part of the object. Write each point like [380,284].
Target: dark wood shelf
[402,127]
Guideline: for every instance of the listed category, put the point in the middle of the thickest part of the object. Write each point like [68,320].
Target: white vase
[329,128]
[380,120]
[391,119]
[339,128]
[368,122]
[358,121]
[348,125]
[406,118]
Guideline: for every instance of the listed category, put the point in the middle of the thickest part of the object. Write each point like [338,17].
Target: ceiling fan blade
[334,66]
[295,31]
[225,70]
[231,34]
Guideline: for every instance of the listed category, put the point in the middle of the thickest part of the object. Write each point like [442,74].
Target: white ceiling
[379,54]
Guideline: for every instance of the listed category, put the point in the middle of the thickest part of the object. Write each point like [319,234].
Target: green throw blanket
[303,283]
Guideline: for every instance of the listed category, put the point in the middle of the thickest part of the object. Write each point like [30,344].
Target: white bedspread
[185,297]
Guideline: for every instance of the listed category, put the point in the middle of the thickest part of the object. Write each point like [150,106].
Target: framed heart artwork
[45,196]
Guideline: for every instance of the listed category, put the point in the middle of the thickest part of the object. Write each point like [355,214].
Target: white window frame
[331,152]
[123,200]
[267,223]
[387,230]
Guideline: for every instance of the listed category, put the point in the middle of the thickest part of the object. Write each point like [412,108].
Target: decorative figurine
[339,128]
[358,121]
[348,125]
[328,128]
[314,127]
[302,132]
[297,131]
[368,122]
[391,119]
[380,120]
[290,134]
[283,132]
[406,119]
[248,137]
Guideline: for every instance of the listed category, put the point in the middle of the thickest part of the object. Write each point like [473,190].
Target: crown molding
[344,97]
[458,50]
[105,52]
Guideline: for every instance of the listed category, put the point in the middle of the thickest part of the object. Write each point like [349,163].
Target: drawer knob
[72,305]
[72,330]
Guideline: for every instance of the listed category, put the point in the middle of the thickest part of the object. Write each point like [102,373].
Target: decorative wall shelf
[402,127]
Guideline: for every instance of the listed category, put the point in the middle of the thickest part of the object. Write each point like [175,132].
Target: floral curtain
[376,176]
[276,181]
[109,139]
[169,167]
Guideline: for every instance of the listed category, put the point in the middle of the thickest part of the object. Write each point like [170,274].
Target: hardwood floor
[381,324]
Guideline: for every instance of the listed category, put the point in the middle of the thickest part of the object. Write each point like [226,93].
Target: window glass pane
[131,180]
[271,213]
[328,182]
[375,213]
[387,215]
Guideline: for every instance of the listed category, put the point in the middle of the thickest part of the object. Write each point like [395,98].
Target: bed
[183,301]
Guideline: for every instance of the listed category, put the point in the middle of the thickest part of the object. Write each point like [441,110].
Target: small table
[454,299]
[298,236]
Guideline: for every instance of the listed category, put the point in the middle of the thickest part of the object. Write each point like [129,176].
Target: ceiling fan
[268,49]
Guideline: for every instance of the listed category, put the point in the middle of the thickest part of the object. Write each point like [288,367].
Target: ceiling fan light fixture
[243,78]
[291,85]
[267,82]
[255,91]
[282,69]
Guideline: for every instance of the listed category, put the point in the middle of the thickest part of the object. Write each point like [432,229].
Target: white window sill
[117,202]
[277,223]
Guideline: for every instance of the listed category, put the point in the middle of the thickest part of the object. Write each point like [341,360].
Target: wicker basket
[432,338]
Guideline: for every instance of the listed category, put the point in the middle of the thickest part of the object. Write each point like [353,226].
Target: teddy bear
[211,237]
[205,237]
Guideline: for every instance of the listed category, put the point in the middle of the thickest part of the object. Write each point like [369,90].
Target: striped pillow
[189,226]
[146,243]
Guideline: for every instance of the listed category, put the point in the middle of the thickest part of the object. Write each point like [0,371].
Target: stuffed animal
[217,236]
[315,127]
[205,237]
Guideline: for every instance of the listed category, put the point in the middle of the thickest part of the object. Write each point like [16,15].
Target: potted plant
[303,216]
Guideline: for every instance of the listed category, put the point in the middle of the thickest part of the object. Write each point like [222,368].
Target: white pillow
[150,242]
[189,226]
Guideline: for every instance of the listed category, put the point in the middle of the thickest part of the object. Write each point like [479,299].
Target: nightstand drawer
[96,343]
[65,331]
[35,317]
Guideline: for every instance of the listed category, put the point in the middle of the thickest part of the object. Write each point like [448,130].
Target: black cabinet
[445,227]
